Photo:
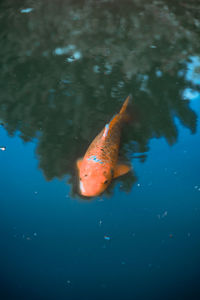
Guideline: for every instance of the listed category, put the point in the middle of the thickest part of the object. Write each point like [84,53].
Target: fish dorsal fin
[109,126]
[125,105]
[120,170]
[78,163]
[106,130]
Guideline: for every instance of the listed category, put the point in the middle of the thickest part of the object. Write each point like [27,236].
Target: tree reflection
[73,64]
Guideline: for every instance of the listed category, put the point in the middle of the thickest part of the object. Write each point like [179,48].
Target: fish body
[100,162]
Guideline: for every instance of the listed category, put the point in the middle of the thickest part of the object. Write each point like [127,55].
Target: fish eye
[106,181]
[85,175]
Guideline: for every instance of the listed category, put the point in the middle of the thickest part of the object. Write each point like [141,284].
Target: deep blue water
[141,239]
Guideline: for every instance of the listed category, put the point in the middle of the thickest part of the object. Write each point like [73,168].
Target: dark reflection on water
[66,67]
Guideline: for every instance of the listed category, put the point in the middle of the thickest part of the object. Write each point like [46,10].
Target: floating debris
[100,222]
[35,192]
[3,148]
[106,237]
[35,234]
[161,216]
[26,10]
[197,187]
[164,214]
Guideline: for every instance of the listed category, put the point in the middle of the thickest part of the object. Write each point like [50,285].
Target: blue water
[54,247]
[139,240]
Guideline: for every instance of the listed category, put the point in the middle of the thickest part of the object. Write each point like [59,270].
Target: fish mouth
[86,193]
[82,189]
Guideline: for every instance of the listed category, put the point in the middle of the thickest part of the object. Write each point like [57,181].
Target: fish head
[93,179]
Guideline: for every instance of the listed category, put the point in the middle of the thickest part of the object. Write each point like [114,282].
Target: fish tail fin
[124,114]
[125,104]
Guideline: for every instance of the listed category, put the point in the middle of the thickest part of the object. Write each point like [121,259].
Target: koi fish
[100,163]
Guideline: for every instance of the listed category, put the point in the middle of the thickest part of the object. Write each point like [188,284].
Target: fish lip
[84,193]
[82,189]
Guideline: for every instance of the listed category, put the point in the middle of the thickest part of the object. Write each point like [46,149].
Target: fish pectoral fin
[78,163]
[120,170]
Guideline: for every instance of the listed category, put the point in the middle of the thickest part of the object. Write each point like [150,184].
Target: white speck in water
[138,184]
[153,46]
[164,214]
[35,234]
[35,192]
[100,222]
[26,10]
[68,283]
[3,148]
[106,237]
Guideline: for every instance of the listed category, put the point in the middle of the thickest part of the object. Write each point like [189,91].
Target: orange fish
[99,165]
